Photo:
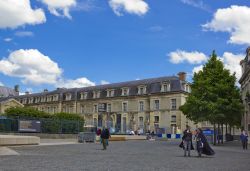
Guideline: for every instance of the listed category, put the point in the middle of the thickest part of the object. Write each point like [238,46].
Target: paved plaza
[129,155]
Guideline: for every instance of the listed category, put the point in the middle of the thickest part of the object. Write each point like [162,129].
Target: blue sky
[72,43]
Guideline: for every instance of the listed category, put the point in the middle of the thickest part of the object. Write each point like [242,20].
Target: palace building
[245,89]
[148,105]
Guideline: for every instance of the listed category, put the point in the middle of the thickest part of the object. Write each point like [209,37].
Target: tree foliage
[215,96]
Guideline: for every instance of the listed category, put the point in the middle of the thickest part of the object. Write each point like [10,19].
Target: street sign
[208,132]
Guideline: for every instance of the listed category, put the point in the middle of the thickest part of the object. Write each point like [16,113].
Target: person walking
[244,139]
[187,141]
[202,145]
[104,137]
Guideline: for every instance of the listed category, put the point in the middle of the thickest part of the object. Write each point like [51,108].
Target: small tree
[215,96]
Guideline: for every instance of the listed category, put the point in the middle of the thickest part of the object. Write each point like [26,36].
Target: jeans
[244,144]
[187,147]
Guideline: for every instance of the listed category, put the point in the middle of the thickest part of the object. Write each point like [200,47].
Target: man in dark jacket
[187,141]
[105,136]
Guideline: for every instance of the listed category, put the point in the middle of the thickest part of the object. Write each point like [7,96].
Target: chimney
[16,89]
[182,76]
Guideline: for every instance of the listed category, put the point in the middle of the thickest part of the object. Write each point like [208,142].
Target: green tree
[215,96]
[26,112]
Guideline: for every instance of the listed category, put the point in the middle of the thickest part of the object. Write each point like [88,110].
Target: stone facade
[6,103]
[245,89]
[150,104]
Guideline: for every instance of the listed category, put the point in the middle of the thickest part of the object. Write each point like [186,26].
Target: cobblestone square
[128,155]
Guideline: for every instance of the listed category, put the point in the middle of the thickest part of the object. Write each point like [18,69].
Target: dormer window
[55,98]
[84,95]
[96,94]
[30,100]
[68,96]
[142,90]
[110,93]
[165,87]
[125,91]
[187,88]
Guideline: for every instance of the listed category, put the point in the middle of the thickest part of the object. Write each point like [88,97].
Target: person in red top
[98,132]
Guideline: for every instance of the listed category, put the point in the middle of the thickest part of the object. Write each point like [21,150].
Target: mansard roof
[7,92]
[153,86]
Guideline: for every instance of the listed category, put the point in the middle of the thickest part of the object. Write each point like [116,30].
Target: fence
[40,125]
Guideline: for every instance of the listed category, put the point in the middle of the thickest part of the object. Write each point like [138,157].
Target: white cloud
[8,39]
[15,13]
[231,62]
[197,69]
[60,7]
[1,84]
[138,7]
[24,34]
[197,4]
[180,56]
[235,20]
[103,82]
[79,82]
[31,66]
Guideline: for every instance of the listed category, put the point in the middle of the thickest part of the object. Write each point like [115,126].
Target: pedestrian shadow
[204,157]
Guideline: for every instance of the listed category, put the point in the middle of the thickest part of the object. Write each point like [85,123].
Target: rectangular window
[141,106]
[95,108]
[157,105]
[82,109]
[109,108]
[141,125]
[125,107]
[173,104]
[157,119]
[173,118]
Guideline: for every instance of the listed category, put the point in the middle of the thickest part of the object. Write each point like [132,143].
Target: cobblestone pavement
[130,155]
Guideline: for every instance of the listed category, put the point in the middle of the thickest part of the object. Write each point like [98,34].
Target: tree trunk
[214,135]
[222,134]
[226,129]
[218,134]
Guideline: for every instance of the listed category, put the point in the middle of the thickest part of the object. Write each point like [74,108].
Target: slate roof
[7,92]
[153,86]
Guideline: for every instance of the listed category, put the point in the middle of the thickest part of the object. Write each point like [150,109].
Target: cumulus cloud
[235,20]
[103,82]
[31,66]
[138,7]
[24,34]
[180,56]
[15,13]
[231,62]
[60,7]
[197,69]
[35,68]
[79,82]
